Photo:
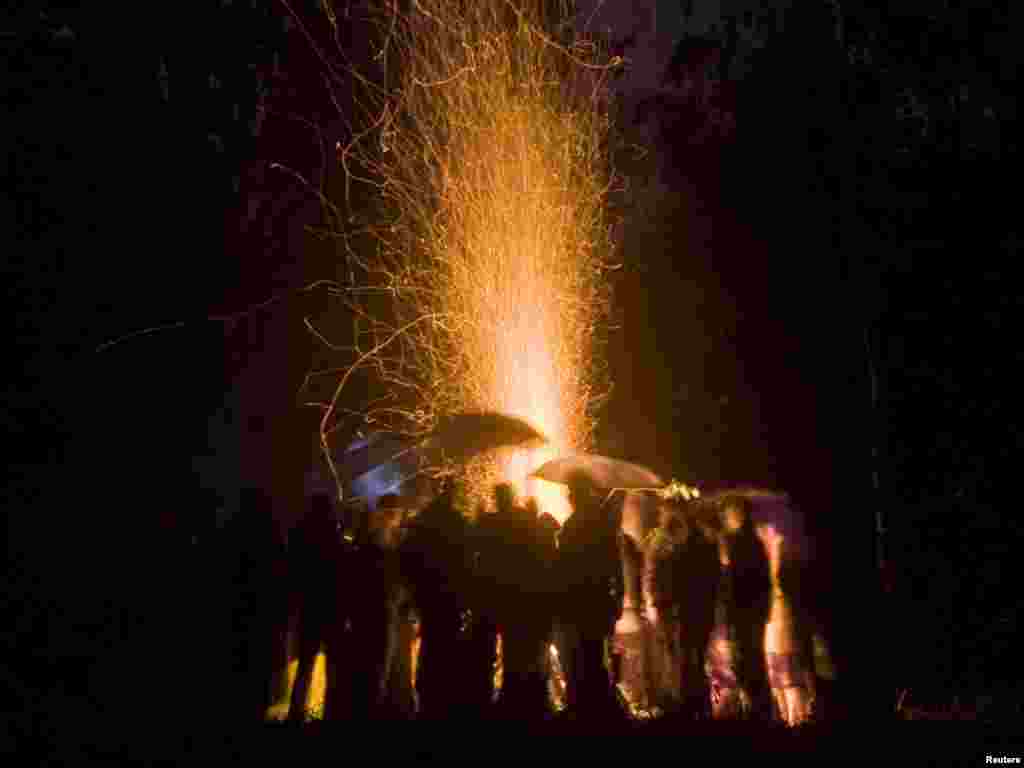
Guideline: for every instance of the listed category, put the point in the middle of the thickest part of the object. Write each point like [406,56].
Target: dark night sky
[747,288]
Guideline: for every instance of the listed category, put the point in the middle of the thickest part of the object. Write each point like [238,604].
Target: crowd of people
[709,594]
[415,610]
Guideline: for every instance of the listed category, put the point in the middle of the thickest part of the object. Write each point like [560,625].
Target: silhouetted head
[532,508]
[390,509]
[504,500]
[442,506]
[386,520]
[442,485]
[735,515]
[671,516]
[704,517]
[389,501]
[582,491]
[612,509]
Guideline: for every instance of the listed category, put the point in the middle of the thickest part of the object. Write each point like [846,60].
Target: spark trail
[486,286]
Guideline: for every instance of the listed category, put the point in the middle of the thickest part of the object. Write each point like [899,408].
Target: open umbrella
[604,472]
[385,462]
[758,497]
[465,435]
[371,452]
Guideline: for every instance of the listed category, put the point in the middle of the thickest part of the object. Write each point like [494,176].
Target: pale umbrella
[603,472]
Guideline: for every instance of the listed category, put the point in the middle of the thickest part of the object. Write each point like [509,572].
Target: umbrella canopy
[466,435]
[372,466]
[754,494]
[374,451]
[604,472]
[385,463]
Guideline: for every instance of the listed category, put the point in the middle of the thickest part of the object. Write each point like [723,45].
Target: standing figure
[697,579]
[401,692]
[721,660]
[437,561]
[257,598]
[661,560]
[315,555]
[522,608]
[545,529]
[375,596]
[750,603]
[794,673]
[482,659]
[590,574]
[634,636]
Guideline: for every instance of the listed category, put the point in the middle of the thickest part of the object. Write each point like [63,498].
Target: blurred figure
[545,533]
[590,575]
[661,560]
[545,528]
[532,508]
[483,629]
[315,555]
[797,676]
[633,634]
[504,503]
[697,578]
[436,558]
[750,603]
[375,598]
[258,600]
[400,693]
[522,608]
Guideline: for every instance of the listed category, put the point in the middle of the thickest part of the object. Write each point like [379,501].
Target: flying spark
[492,254]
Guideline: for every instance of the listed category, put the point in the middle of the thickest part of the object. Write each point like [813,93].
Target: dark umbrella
[466,435]
[603,472]
[384,462]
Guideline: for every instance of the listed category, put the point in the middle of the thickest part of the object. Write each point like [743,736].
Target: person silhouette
[589,570]
[521,608]
[697,577]
[545,541]
[750,602]
[436,558]
[375,598]
[258,599]
[662,559]
[315,563]
[482,660]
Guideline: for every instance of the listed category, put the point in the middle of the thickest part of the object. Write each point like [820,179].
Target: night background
[818,297]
